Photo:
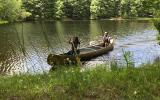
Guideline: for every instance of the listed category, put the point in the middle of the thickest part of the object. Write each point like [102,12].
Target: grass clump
[75,83]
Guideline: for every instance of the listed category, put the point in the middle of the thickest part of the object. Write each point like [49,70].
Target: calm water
[24,47]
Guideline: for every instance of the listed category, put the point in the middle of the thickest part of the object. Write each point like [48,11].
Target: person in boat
[106,39]
[74,41]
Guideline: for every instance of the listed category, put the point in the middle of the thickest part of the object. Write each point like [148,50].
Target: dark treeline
[12,10]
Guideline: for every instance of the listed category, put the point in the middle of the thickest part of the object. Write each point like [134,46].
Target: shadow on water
[25,46]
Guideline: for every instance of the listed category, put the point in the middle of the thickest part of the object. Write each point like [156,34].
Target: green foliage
[129,8]
[157,14]
[10,9]
[59,5]
[35,7]
[147,8]
[102,9]
[40,9]
[68,9]
[81,9]
[77,9]
[49,9]
[156,22]
[25,14]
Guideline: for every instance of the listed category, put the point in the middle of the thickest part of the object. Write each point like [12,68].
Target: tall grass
[75,83]
[128,58]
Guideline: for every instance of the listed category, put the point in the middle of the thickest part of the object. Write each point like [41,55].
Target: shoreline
[68,19]
[73,83]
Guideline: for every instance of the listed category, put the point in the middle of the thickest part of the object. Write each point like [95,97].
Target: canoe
[85,54]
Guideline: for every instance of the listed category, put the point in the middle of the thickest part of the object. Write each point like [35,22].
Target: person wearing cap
[106,39]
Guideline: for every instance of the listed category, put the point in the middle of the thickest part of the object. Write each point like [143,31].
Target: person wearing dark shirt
[74,41]
[106,39]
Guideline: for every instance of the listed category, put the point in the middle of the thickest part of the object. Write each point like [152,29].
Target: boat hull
[85,54]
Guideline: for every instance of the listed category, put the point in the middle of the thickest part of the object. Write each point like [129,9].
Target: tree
[59,5]
[10,9]
[148,8]
[81,9]
[13,10]
[49,9]
[102,9]
[117,8]
[35,7]
[77,9]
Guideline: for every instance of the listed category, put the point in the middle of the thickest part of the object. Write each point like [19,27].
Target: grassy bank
[73,83]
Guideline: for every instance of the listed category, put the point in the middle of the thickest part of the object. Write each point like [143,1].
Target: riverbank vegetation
[101,82]
[156,22]
[13,10]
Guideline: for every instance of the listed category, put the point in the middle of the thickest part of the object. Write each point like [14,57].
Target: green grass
[129,83]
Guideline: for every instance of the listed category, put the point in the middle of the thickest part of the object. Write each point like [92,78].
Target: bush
[156,22]
[10,9]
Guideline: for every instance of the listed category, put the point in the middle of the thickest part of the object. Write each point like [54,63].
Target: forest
[24,10]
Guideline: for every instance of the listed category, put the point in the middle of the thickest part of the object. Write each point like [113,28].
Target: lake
[24,46]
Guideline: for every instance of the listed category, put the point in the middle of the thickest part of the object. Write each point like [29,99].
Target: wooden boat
[84,55]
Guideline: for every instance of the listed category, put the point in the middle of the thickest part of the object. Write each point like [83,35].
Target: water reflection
[25,46]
